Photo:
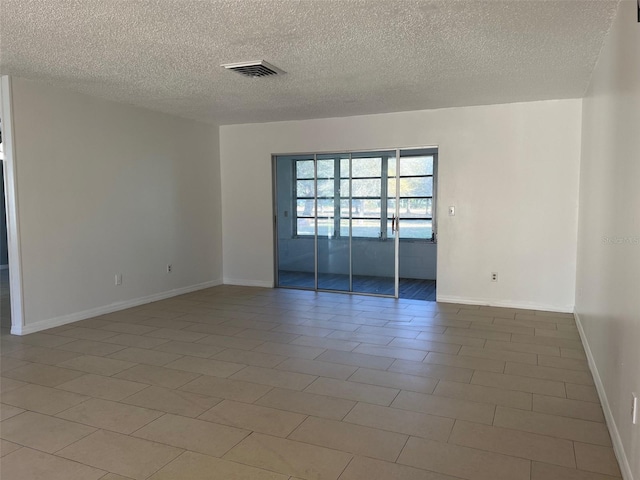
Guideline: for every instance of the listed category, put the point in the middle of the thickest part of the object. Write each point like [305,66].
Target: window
[368,182]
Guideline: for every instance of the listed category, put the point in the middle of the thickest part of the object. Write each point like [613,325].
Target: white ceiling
[342,57]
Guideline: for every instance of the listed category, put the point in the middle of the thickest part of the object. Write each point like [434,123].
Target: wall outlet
[494,276]
[635,405]
[452,210]
[118,279]
[169,268]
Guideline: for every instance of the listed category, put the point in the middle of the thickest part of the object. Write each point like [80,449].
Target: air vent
[256,69]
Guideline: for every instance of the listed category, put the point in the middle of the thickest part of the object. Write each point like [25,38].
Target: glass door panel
[295,221]
[334,250]
[373,262]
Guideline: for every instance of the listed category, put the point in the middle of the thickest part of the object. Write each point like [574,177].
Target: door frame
[11,203]
[398,151]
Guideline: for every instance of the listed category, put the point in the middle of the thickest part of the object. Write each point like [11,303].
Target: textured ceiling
[342,57]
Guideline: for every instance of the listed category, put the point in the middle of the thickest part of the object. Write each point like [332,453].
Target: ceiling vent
[255,69]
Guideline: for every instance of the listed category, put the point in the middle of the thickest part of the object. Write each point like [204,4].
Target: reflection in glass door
[339,218]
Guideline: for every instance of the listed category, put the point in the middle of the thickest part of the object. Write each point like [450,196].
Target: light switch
[452,211]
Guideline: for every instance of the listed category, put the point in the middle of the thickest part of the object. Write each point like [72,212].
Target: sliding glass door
[338,218]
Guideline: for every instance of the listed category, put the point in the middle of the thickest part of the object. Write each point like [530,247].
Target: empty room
[320,240]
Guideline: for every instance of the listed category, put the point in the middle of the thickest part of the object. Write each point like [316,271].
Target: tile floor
[249,383]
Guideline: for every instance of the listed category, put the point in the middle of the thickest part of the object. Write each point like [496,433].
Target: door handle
[393,224]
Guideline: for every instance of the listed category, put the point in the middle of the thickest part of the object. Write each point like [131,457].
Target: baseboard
[247,283]
[618,447]
[112,307]
[503,303]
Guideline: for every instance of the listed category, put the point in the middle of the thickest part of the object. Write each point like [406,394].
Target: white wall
[608,274]
[511,171]
[104,188]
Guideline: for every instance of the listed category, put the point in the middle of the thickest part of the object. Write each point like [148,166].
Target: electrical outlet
[118,279]
[635,405]
[452,210]
[169,268]
[494,276]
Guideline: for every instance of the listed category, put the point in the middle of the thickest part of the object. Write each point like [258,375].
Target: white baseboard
[618,447]
[112,307]
[247,283]
[503,303]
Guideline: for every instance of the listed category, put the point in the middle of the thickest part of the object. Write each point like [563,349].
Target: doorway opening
[357,222]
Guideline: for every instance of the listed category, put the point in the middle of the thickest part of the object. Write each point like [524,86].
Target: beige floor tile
[443,372]
[538,340]
[586,393]
[597,459]
[158,376]
[194,466]
[315,367]
[519,383]
[572,353]
[139,341]
[7,447]
[144,356]
[356,359]
[454,339]
[49,356]
[479,333]
[41,374]
[465,362]
[359,392]
[543,471]
[8,363]
[177,402]
[98,386]
[356,439]
[8,384]
[568,408]
[109,415]
[88,334]
[304,330]
[401,421]
[288,350]
[391,352]
[176,335]
[89,347]
[113,476]
[254,417]
[42,399]
[26,463]
[192,434]
[522,347]
[363,468]
[267,336]
[130,328]
[192,349]
[43,432]
[132,457]
[97,365]
[506,326]
[427,345]
[226,388]
[274,378]
[249,358]
[394,380]
[225,341]
[389,332]
[549,373]
[335,344]
[355,337]
[463,462]
[569,334]
[289,457]
[45,340]
[8,411]
[214,329]
[445,407]
[479,393]
[307,403]
[560,427]
[205,366]
[515,443]
[566,363]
